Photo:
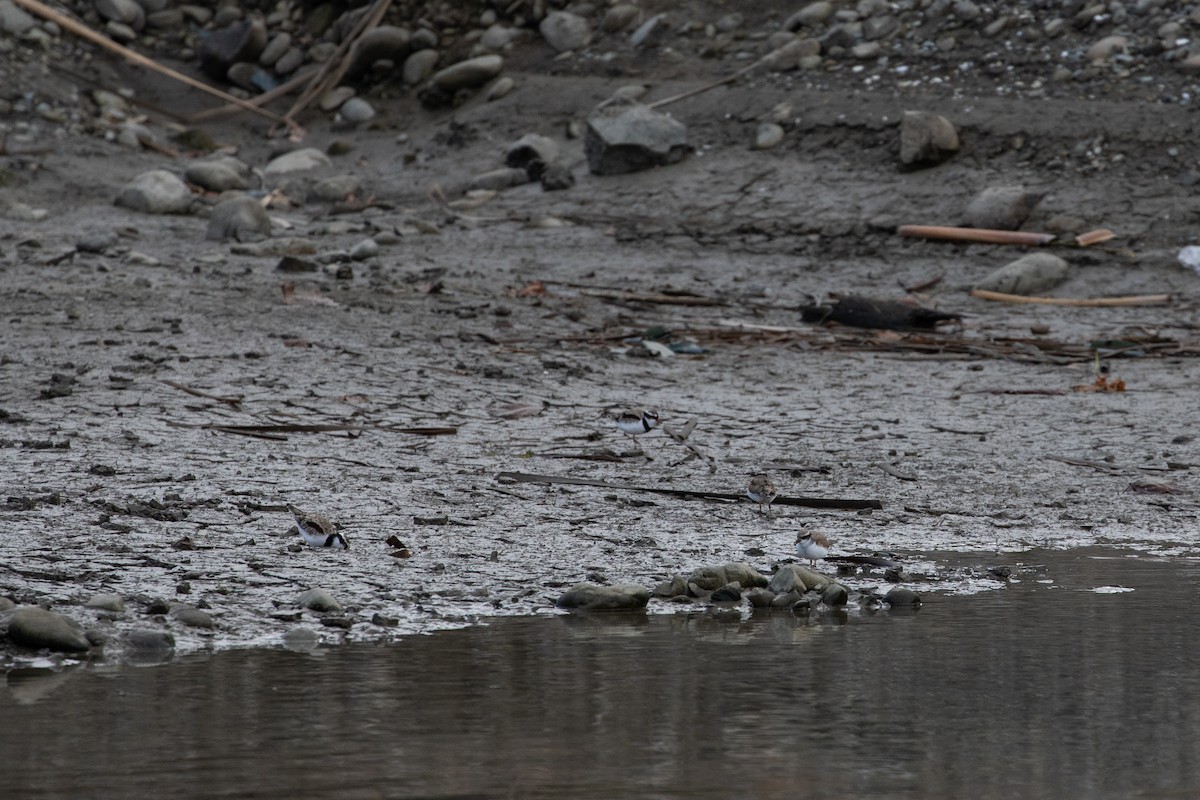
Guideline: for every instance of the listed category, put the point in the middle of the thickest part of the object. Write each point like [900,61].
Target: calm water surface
[1039,691]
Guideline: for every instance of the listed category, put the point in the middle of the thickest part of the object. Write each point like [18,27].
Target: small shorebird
[633,425]
[762,491]
[812,545]
[318,530]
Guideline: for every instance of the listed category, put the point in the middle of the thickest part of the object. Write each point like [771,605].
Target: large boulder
[593,597]
[39,629]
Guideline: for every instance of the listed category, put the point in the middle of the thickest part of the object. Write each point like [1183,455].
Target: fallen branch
[228,400]
[84,32]
[983,235]
[809,502]
[1091,302]
[660,299]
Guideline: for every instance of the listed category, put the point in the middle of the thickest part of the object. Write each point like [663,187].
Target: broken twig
[983,235]
[1091,302]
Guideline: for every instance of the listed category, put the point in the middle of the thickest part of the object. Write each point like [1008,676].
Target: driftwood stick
[257,100]
[809,502]
[984,235]
[1128,300]
[84,32]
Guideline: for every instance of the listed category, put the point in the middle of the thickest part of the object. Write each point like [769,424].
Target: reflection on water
[1034,691]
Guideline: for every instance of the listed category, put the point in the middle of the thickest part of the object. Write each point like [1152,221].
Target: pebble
[1001,207]
[15,20]
[556,177]
[191,616]
[729,593]
[565,31]
[593,597]
[901,597]
[468,74]
[500,88]
[835,595]
[383,42]
[334,98]
[760,598]
[768,135]
[926,138]
[367,248]
[148,639]
[1106,48]
[530,148]
[37,628]
[619,17]
[302,160]
[419,66]
[810,16]
[336,188]
[499,179]
[220,174]
[156,192]
[319,600]
[240,218]
[1032,274]
[229,44]
[357,110]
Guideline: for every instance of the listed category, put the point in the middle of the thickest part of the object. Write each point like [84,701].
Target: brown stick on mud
[1094,302]
[983,235]
[84,32]
[809,502]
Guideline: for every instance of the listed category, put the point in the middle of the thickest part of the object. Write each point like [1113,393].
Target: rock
[926,138]
[240,218]
[279,44]
[156,192]
[499,179]
[835,595]
[110,601]
[557,176]
[15,20]
[382,42]
[127,12]
[619,17]
[497,37]
[746,575]
[319,600]
[301,640]
[336,188]
[221,174]
[191,616]
[708,578]
[530,148]
[1106,48]
[357,110]
[1001,207]
[787,599]
[729,593]
[418,66]
[676,587]
[901,597]
[767,136]
[367,248]
[500,88]
[565,31]
[148,640]
[629,138]
[592,597]
[1031,274]
[302,160]
[96,241]
[221,49]
[334,98]
[649,32]
[36,628]
[810,16]
[468,74]
[787,579]
[760,598]
[6,604]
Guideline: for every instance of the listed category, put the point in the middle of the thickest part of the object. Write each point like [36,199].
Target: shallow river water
[1065,684]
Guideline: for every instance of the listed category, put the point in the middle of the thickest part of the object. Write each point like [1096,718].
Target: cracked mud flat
[760,231]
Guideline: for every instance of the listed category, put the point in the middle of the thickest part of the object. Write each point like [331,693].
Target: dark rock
[787,599]
[675,587]
[760,598]
[148,639]
[901,597]
[531,148]
[835,595]
[624,138]
[382,42]
[729,593]
[556,177]
[37,628]
[221,49]
[788,578]
[590,597]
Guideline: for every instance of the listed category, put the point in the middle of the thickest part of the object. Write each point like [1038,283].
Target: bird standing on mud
[318,530]
[812,545]
[762,491]
[633,425]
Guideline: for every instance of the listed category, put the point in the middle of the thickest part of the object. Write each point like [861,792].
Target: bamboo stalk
[1093,302]
[84,32]
[983,235]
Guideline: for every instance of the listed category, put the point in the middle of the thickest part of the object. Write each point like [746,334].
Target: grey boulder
[593,597]
[37,628]
[240,218]
[623,138]
[156,192]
